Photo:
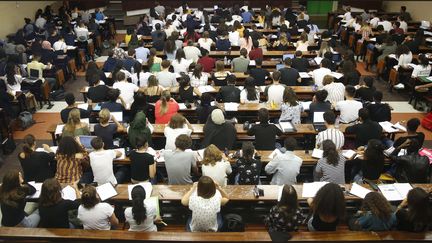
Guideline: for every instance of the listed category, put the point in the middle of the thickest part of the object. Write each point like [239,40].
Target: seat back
[60,77]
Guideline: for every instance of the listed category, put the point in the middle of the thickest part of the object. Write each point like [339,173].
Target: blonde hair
[283,39]
[104,116]
[327,80]
[211,155]
[73,120]
[165,97]
[177,121]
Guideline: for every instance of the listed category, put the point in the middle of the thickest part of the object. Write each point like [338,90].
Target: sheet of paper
[71,47]
[359,191]
[85,120]
[146,185]
[53,148]
[349,154]
[38,187]
[83,106]
[182,106]
[286,126]
[318,117]
[389,192]
[317,153]
[373,39]
[151,151]
[318,60]
[310,189]
[206,88]
[106,191]
[252,63]
[59,129]
[230,106]
[400,127]
[123,153]
[304,75]
[68,193]
[336,75]
[306,105]
[201,153]
[429,78]
[107,74]
[280,189]
[388,127]
[403,189]
[118,116]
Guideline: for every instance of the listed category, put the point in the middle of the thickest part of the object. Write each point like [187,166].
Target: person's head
[348,67]
[152,81]
[165,98]
[177,121]
[97,143]
[403,9]
[402,49]
[183,142]
[217,117]
[368,81]
[212,154]
[423,60]
[73,120]
[378,205]
[288,62]
[363,114]
[276,76]
[350,91]
[206,187]
[220,66]
[27,20]
[396,25]
[243,52]
[120,76]
[70,99]
[419,210]
[325,63]
[329,117]
[89,197]
[139,211]
[378,96]
[113,94]
[290,143]
[50,193]
[329,201]
[288,199]
[231,79]
[380,28]
[330,152]
[11,181]
[298,54]
[258,62]
[413,124]
[157,26]
[290,97]
[29,144]
[321,95]
[263,116]
[328,79]
[104,116]
[94,79]
[180,54]
[374,151]
[68,147]
[141,142]
[248,150]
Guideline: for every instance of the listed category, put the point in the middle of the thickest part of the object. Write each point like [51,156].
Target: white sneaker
[399,86]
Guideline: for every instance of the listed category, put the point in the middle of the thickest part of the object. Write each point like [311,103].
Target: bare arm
[185,198]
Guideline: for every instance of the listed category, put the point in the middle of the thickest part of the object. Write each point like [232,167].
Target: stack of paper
[318,60]
[388,127]
[349,154]
[106,191]
[336,75]
[311,189]
[317,153]
[123,153]
[148,188]
[287,126]
[53,148]
[306,105]
[396,191]
[359,191]
[68,193]
[304,75]
[38,187]
[230,106]
[206,88]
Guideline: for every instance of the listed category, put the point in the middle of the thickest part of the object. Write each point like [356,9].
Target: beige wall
[419,10]
[12,14]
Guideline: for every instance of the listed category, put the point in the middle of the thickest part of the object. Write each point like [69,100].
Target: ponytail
[165,97]
[29,141]
[330,152]
[139,211]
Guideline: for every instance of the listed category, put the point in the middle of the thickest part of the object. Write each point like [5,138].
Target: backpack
[233,223]
[8,145]
[25,119]
[427,121]
[57,95]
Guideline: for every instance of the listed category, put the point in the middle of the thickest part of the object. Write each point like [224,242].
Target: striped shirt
[70,170]
[330,173]
[336,92]
[336,136]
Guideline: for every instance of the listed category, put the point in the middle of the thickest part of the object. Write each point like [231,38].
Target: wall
[12,14]
[419,10]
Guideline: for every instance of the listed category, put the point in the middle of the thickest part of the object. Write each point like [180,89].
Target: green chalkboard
[321,7]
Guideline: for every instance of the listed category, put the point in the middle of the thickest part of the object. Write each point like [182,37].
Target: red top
[173,107]
[208,63]
[256,53]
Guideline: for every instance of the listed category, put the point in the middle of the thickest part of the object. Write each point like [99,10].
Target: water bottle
[337,122]
[225,60]
[314,88]
[132,70]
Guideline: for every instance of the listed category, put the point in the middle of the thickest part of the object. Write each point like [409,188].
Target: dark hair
[348,67]
[206,99]
[140,141]
[321,95]
[289,96]
[183,142]
[68,147]
[113,94]
[69,98]
[243,52]
[424,61]
[374,152]
[29,142]
[258,62]
[97,143]
[298,53]
[290,143]
[250,88]
[179,55]
[419,211]
[9,192]
[10,73]
[248,151]
[378,205]
[402,49]
[170,45]
[413,124]
[326,63]
[120,76]
[50,193]
[368,81]
[329,117]
[139,211]
[378,96]
[263,116]
[288,61]
[206,187]
[363,113]
[329,201]
[197,72]
[350,90]
[231,79]
[330,152]
[184,80]
[89,197]
[380,28]
[288,203]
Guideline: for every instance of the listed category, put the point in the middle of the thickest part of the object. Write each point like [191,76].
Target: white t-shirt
[374,22]
[243,97]
[192,53]
[404,26]
[204,212]
[59,45]
[387,25]
[101,163]
[347,16]
[171,135]
[147,224]
[336,92]
[181,66]
[166,79]
[196,82]
[302,46]
[348,110]
[275,93]
[234,38]
[318,76]
[143,79]
[218,172]
[96,218]
[206,44]
[127,91]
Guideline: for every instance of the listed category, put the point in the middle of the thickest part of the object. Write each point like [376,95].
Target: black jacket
[412,168]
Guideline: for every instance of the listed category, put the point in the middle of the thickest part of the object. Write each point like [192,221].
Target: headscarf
[217,117]
[46,45]
[138,127]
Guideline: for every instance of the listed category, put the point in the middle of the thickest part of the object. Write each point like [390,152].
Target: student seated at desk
[370,164]
[198,77]
[240,64]
[256,52]
[248,167]
[223,43]
[328,208]
[229,93]
[154,90]
[331,133]
[319,74]
[378,111]
[111,62]
[290,76]
[285,166]
[113,95]
[219,78]
[36,165]
[13,199]
[140,126]
[205,107]
[414,213]
[180,63]
[72,161]
[412,133]
[70,101]
[143,166]
[166,78]
[265,133]
[74,127]
[250,93]
[186,90]
[331,167]
[366,90]
[93,213]
[101,162]
[299,62]
[106,130]
[207,62]
[423,69]
[216,165]
[142,215]
[285,216]
[98,92]
[93,69]
[35,64]
[258,73]
[350,75]
[319,104]
[179,163]
[348,108]
[205,199]
[177,125]
[291,108]
[365,130]
[302,43]
[275,91]
[165,108]
[219,132]
[127,90]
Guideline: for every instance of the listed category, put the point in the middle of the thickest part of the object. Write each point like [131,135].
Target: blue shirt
[371,222]
[247,17]
[99,16]
[223,45]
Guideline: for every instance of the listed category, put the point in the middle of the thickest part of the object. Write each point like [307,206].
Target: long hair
[51,193]
[374,151]
[290,97]
[179,55]
[9,190]
[10,73]
[151,58]
[197,72]
[378,205]
[248,151]
[139,211]
[68,147]
[329,201]
[206,187]
[165,97]
[73,120]
[250,88]
[170,45]
[288,202]
[330,152]
[89,197]
[211,155]
[29,142]
[419,211]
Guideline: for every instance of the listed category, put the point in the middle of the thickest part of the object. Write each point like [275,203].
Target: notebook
[396,191]
[106,191]
[318,121]
[287,126]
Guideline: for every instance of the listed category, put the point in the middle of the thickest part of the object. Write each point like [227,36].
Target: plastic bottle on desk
[337,122]
[225,60]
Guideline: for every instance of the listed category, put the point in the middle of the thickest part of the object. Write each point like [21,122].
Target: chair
[393,77]
[380,67]
[369,58]
[351,42]
[358,49]
[82,59]
[60,78]
[72,68]
[91,50]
